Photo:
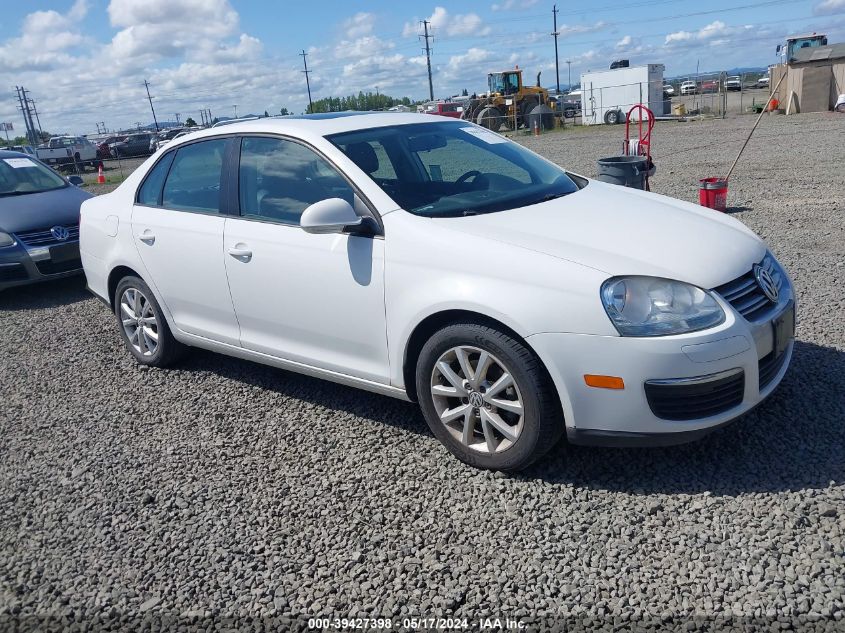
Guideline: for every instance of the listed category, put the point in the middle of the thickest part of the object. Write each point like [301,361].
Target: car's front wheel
[487,397]
[142,324]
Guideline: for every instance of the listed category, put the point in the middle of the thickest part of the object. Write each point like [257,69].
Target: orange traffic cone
[101,179]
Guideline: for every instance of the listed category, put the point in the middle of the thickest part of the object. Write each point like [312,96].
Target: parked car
[433,260]
[688,88]
[39,221]
[711,85]
[763,82]
[68,150]
[668,90]
[167,135]
[132,145]
[166,142]
[569,106]
[733,83]
[104,146]
[25,149]
[447,108]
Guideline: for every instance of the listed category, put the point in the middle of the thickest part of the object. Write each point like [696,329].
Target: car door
[313,299]
[178,230]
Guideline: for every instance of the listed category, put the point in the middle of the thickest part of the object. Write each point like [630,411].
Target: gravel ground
[134,498]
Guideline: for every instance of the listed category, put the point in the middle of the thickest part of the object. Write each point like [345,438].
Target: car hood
[41,210]
[623,231]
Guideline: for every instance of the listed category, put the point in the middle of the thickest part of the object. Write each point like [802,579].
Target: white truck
[65,150]
[607,95]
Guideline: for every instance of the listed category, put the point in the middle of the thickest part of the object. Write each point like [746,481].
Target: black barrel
[628,171]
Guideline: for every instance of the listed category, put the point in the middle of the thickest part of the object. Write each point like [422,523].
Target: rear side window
[193,183]
[150,192]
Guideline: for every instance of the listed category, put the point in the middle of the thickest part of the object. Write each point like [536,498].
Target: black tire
[612,117]
[168,349]
[569,113]
[491,118]
[542,423]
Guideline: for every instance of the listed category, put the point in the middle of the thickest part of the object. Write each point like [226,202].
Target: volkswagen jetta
[439,262]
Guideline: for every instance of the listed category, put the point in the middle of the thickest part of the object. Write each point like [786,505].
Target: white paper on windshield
[17,163]
[484,135]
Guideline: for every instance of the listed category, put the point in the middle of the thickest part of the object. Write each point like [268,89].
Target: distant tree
[284,112]
[189,122]
[266,114]
[464,93]
[361,101]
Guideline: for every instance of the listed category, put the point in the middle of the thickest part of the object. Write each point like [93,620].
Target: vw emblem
[766,283]
[60,233]
[476,400]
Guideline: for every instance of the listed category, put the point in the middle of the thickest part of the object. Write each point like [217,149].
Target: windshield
[448,169]
[20,175]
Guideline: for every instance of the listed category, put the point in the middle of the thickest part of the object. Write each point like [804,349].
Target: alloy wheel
[139,321]
[477,399]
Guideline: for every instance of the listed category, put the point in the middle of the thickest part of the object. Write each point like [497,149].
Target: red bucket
[713,194]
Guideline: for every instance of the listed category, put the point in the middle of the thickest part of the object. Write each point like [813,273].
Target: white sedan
[436,261]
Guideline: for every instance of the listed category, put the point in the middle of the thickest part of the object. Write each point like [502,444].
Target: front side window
[453,168]
[278,179]
[193,183]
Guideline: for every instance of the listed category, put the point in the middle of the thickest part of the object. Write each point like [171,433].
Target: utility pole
[569,65]
[235,109]
[35,112]
[425,24]
[555,33]
[303,54]
[177,118]
[27,116]
[147,86]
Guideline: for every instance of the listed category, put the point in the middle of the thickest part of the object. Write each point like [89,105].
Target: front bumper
[738,359]
[21,265]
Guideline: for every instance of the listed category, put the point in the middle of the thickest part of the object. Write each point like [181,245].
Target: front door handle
[147,237]
[242,254]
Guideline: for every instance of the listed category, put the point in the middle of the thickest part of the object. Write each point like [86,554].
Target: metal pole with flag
[6,127]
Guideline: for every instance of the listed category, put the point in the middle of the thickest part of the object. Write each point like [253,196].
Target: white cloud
[565,30]
[714,33]
[509,5]
[359,25]
[829,7]
[624,42]
[443,23]
[45,39]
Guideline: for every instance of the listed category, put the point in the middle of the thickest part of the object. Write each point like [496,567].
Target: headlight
[650,306]
[6,240]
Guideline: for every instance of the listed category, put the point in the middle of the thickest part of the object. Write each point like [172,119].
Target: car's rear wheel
[487,397]
[142,324]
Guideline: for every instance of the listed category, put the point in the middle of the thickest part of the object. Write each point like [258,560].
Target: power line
[147,86]
[303,54]
[425,24]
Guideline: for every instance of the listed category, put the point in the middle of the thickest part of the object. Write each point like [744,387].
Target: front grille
[745,294]
[769,366]
[43,237]
[694,398]
[47,267]
[13,272]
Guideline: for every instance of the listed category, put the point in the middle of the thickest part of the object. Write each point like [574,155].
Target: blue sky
[84,61]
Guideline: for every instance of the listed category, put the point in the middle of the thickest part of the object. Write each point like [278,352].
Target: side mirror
[329,216]
[76,180]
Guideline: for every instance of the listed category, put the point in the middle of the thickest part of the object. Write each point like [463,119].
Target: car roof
[321,124]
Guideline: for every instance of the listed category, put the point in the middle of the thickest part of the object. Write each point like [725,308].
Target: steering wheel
[470,174]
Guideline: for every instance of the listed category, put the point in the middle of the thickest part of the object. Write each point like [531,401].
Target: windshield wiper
[15,193]
[551,196]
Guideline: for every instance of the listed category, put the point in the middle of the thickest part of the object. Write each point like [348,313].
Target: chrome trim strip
[696,380]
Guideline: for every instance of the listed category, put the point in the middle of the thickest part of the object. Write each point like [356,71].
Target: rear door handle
[147,237]
[242,254]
